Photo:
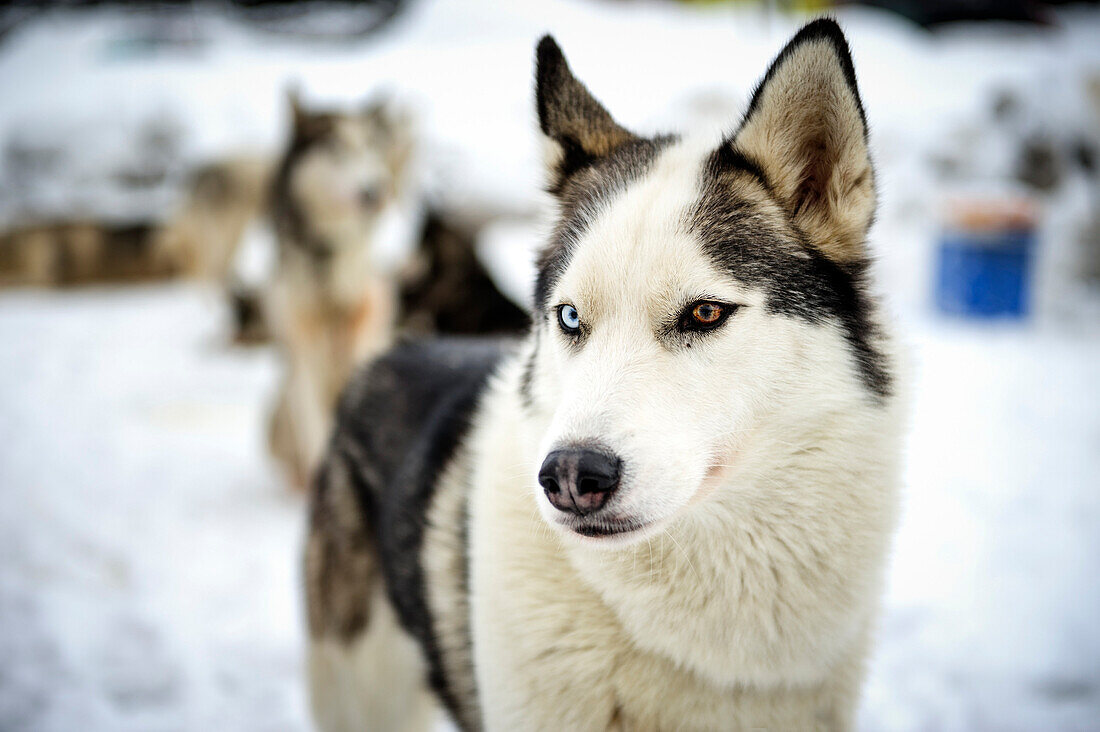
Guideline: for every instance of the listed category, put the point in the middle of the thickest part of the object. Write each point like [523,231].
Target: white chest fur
[752,609]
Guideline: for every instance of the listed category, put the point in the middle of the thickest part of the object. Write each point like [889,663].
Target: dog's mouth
[605,528]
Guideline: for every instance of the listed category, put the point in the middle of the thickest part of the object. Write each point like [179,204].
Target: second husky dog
[671,506]
[328,306]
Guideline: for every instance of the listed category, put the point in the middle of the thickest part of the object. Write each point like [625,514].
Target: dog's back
[398,427]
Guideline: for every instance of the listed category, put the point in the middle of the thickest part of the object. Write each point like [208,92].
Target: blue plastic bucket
[985,274]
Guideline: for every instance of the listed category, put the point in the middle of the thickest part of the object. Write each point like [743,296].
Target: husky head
[340,170]
[698,305]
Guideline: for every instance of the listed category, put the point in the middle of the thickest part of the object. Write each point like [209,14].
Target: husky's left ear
[805,129]
[577,128]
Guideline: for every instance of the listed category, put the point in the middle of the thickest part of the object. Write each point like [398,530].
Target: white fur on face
[344,182]
[676,409]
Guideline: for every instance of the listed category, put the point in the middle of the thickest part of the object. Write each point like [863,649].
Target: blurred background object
[329,304]
[148,546]
[985,257]
[219,201]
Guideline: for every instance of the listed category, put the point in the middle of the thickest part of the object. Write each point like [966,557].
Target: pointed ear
[298,113]
[577,129]
[394,124]
[306,124]
[806,131]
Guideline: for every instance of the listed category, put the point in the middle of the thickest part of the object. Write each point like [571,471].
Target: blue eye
[569,318]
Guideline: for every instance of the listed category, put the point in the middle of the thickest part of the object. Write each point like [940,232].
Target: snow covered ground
[991,614]
[148,552]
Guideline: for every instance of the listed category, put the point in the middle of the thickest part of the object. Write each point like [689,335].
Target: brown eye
[707,313]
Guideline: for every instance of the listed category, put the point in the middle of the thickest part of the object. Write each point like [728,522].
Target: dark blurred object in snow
[246,307]
[49,172]
[319,19]
[221,199]
[446,289]
[1086,154]
[168,24]
[1039,164]
[932,13]
[80,252]
[1041,141]
[151,33]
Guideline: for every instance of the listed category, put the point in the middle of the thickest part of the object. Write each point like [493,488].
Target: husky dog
[329,306]
[80,252]
[671,506]
[223,198]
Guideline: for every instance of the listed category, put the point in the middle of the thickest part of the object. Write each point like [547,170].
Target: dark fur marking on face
[573,159]
[581,196]
[527,378]
[597,158]
[310,130]
[728,158]
[797,279]
[776,254]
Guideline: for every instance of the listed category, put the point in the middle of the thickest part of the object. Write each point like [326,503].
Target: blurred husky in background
[671,506]
[329,306]
[223,197]
[80,252]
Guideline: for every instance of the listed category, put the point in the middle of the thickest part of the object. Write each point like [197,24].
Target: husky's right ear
[577,129]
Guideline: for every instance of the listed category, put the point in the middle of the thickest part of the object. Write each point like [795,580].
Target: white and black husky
[671,506]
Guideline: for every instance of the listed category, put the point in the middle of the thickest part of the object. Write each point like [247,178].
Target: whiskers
[687,557]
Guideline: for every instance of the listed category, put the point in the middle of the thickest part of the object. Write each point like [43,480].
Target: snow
[991,614]
[149,552]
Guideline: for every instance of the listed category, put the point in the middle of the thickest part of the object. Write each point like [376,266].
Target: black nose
[579,481]
[370,196]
